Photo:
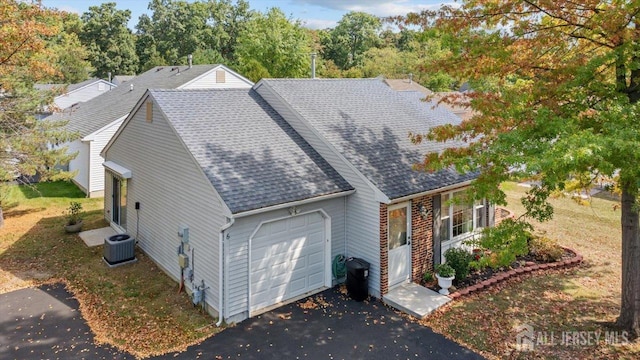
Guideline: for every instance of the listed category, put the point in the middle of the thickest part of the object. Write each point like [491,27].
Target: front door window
[397,228]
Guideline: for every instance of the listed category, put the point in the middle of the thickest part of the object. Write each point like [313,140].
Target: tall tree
[274,46]
[355,33]
[70,55]
[110,42]
[177,28]
[25,31]
[565,106]
[227,21]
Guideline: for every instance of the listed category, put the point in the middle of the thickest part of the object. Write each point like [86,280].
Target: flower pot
[71,229]
[444,283]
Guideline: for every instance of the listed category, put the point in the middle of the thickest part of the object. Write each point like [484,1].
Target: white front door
[399,239]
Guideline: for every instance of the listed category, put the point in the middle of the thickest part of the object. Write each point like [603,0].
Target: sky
[315,14]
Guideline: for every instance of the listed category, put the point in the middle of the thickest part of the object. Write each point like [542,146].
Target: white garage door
[288,258]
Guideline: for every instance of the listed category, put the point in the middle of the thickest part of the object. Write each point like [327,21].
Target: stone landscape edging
[514,273]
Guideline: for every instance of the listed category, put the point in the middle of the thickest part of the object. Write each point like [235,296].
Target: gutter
[221,271]
[432,192]
[294,203]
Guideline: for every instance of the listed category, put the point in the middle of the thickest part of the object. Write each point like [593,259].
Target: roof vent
[313,65]
[190,59]
[158,69]
[130,87]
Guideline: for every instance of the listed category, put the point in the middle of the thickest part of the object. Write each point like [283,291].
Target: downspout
[221,270]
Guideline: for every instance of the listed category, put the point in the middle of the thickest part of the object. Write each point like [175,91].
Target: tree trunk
[629,319]
[1,218]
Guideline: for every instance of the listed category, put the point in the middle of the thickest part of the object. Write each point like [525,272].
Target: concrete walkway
[415,300]
[96,237]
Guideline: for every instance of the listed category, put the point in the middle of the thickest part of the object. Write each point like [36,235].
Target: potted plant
[74,217]
[445,275]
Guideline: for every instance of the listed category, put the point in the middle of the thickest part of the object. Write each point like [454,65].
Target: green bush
[427,277]
[505,242]
[459,259]
[545,249]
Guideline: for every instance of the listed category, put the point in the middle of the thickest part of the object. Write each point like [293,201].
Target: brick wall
[384,252]
[421,239]
[421,242]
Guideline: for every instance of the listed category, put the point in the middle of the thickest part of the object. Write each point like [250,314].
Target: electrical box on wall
[183,233]
[183,260]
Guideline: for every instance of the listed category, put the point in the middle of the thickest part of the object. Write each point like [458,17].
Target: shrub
[545,249]
[459,259]
[505,242]
[74,213]
[445,270]
[427,277]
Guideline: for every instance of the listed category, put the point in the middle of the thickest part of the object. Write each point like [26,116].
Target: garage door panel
[288,259]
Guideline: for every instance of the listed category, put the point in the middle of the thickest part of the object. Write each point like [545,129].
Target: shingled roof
[102,110]
[369,124]
[251,155]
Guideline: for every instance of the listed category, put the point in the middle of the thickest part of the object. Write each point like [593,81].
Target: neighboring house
[76,93]
[410,85]
[98,119]
[264,180]
[120,79]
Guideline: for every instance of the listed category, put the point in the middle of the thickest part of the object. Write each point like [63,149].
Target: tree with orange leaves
[25,143]
[563,106]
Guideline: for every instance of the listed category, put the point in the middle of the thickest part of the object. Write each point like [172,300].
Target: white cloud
[318,23]
[380,8]
[69,9]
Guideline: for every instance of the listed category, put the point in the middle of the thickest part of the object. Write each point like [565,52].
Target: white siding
[100,140]
[171,190]
[363,211]
[81,95]
[208,81]
[237,251]
[80,163]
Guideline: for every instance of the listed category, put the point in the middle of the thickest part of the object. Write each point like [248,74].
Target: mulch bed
[479,280]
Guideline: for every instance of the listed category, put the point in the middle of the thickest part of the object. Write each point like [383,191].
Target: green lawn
[586,298]
[135,307]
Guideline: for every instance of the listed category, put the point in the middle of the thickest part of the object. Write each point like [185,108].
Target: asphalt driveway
[341,329]
[44,323]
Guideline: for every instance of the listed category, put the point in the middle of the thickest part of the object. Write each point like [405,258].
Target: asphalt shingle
[369,124]
[251,155]
[102,110]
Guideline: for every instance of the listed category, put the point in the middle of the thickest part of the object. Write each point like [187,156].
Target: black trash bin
[357,279]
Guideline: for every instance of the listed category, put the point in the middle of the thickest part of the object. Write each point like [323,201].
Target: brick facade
[384,251]
[421,238]
[421,242]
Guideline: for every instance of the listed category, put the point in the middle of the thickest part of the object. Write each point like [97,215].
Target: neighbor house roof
[69,88]
[409,85]
[369,124]
[251,155]
[102,110]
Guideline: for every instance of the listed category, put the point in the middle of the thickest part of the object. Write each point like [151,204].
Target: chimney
[190,59]
[313,65]
[410,78]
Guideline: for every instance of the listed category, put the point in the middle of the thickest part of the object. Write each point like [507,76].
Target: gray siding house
[74,94]
[98,119]
[276,181]
[265,211]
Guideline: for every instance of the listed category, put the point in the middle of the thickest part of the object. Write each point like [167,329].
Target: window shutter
[435,203]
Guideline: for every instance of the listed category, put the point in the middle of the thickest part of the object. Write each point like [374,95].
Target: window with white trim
[459,217]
